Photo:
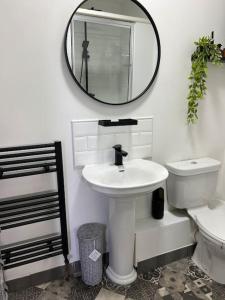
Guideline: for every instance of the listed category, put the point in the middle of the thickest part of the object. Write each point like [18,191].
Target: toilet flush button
[194,162]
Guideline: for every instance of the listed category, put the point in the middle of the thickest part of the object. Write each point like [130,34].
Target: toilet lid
[211,220]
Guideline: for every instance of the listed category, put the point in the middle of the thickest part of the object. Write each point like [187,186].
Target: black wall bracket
[120,122]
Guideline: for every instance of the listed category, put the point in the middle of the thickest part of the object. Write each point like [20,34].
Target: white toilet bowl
[192,186]
[209,254]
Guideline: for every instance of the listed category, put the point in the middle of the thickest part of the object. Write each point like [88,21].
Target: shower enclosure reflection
[112,55]
[101,58]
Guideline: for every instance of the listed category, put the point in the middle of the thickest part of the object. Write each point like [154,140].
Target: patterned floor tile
[142,289]
[218,291]
[50,296]
[157,296]
[163,292]
[153,276]
[61,288]
[111,286]
[105,294]
[173,281]
[199,292]
[180,280]
[209,296]
[187,289]
[43,286]
[32,293]
[80,291]
[193,272]
[190,296]
[85,295]
[180,266]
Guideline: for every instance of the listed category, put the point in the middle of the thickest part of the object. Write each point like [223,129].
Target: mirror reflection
[112,50]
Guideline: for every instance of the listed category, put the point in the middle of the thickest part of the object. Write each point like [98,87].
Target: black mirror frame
[157,65]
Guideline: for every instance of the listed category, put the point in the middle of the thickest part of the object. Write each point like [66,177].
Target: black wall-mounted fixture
[120,122]
[22,161]
[220,46]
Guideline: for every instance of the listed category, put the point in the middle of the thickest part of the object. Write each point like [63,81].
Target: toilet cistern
[200,177]
[119,154]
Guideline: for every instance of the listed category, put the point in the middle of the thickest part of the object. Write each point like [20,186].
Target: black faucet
[119,153]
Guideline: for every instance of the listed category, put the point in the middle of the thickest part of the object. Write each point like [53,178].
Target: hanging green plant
[206,51]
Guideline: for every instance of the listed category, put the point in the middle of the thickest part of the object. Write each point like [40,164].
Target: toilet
[192,186]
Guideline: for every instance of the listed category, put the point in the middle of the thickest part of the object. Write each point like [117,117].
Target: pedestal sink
[123,185]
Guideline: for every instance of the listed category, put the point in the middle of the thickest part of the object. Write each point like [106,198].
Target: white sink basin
[123,185]
[134,177]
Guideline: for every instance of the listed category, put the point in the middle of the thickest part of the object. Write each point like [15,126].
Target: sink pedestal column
[121,240]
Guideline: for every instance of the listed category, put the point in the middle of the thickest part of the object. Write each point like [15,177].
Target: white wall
[39,98]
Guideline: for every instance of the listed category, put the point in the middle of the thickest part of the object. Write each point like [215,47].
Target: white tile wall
[93,143]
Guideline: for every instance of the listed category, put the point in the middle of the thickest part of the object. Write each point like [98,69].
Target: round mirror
[112,50]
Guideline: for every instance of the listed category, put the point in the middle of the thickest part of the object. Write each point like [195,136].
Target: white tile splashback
[93,143]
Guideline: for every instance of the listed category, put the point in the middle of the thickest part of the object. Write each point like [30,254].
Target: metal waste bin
[91,239]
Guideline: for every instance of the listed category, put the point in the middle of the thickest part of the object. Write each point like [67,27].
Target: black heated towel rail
[23,210]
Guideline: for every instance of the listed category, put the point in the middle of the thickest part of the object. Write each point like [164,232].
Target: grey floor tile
[218,291]
[60,288]
[142,289]
[50,296]
[31,293]
[173,281]
[90,294]
[119,289]
[80,291]
[43,286]
[105,294]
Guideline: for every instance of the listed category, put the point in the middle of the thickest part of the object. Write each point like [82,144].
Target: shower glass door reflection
[102,59]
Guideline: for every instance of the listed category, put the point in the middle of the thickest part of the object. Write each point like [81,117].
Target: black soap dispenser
[158,204]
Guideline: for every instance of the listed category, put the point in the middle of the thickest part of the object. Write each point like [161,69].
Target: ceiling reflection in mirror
[112,50]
